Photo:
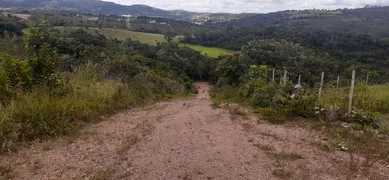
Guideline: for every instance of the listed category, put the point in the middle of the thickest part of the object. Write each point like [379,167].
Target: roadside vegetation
[246,78]
[54,81]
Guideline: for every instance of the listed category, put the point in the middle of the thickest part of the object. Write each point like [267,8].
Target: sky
[251,6]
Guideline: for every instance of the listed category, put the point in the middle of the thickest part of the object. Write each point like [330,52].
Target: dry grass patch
[139,133]
[264,147]
[366,152]
[285,156]
[285,168]
[325,146]
[36,166]
[6,172]
[128,143]
[236,113]
[283,173]
[106,174]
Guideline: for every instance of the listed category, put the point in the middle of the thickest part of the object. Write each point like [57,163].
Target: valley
[99,90]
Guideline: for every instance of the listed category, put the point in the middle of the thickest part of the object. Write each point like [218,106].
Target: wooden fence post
[321,84]
[367,79]
[273,80]
[337,82]
[350,103]
[299,82]
[281,79]
[285,76]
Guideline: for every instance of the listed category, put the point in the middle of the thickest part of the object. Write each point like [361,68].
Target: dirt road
[182,139]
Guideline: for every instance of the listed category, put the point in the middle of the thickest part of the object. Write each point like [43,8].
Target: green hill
[95,6]
[369,20]
[103,7]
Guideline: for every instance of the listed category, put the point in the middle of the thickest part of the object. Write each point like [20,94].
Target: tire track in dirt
[181,139]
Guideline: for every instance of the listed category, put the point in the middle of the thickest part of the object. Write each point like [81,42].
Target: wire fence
[329,82]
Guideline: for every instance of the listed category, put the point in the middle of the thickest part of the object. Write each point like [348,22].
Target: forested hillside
[355,38]
[370,20]
[92,6]
[140,24]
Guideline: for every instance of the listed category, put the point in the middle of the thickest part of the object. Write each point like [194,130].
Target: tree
[232,69]
[42,55]
[39,36]
[282,54]
[169,36]
[12,26]
[16,71]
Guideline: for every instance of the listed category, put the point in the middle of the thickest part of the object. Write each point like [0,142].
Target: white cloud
[251,6]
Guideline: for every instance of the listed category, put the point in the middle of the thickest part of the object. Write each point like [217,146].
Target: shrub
[303,104]
[5,90]
[44,63]
[9,132]
[283,107]
[226,94]
[273,115]
[16,71]
[14,76]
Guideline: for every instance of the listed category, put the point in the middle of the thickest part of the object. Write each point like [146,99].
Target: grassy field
[121,34]
[210,51]
[151,39]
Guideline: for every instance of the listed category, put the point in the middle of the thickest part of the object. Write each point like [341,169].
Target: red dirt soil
[184,139]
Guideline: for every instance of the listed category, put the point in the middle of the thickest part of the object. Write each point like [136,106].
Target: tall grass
[332,105]
[85,97]
[373,99]
[226,94]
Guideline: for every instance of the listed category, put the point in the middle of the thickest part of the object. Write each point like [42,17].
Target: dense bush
[276,102]
[11,26]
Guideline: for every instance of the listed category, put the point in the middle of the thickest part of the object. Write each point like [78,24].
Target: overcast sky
[251,6]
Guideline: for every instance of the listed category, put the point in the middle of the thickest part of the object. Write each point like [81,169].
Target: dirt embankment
[183,139]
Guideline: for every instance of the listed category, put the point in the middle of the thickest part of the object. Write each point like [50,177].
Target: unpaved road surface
[183,139]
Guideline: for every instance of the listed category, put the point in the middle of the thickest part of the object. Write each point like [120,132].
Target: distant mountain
[103,7]
[93,6]
[368,20]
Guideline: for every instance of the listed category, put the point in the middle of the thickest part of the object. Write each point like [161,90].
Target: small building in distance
[153,21]
[93,19]
[6,14]
[20,16]
[127,16]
